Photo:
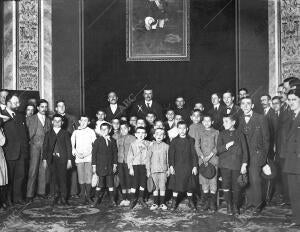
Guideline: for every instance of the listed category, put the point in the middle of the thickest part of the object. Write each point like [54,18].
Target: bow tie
[247,116]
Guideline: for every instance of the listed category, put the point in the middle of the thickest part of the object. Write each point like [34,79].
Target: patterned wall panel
[28,45]
[290,38]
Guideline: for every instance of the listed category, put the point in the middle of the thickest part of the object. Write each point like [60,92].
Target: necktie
[107,139]
[228,110]
[13,115]
[148,105]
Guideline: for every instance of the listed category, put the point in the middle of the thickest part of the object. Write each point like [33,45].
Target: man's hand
[228,145]
[45,164]
[194,171]
[172,171]
[244,168]
[69,164]
[131,172]
[114,168]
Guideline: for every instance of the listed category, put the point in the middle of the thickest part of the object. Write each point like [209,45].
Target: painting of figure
[157,30]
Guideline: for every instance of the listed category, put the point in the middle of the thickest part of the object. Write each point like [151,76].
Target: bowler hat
[269,171]
[207,170]
[243,180]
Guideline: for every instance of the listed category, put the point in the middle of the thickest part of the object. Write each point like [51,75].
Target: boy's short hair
[105,124]
[218,95]
[141,119]
[207,116]
[151,112]
[84,116]
[181,123]
[228,91]
[60,101]
[247,97]
[230,116]
[133,116]
[276,98]
[57,116]
[196,111]
[124,123]
[140,128]
[159,128]
[115,119]
[169,109]
[101,110]
[243,89]
[266,95]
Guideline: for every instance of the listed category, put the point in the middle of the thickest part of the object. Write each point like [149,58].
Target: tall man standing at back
[38,125]
[15,149]
[70,123]
[255,128]
[113,110]
[142,108]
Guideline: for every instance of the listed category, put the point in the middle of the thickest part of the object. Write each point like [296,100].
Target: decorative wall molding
[28,49]
[290,38]
[274,45]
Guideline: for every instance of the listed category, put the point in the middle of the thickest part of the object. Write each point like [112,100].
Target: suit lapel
[295,123]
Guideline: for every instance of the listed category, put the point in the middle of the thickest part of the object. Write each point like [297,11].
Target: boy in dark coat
[183,163]
[57,153]
[233,158]
[104,162]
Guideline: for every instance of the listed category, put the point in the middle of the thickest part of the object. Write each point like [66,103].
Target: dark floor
[40,216]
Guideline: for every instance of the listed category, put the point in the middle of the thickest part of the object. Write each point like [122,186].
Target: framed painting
[157,30]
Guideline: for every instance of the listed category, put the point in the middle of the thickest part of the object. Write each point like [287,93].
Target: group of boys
[167,152]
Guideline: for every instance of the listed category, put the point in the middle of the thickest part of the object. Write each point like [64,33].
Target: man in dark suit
[255,127]
[38,125]
[284,125]
[272,119]
[230,107]
[217,111]
[292,158]
[141,108]
[70,123]
[15,149]
[57,153]
[113,110]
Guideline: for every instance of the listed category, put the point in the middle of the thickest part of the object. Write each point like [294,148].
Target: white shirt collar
[266,110]
[148,102]
[217,106]
[56,130]
[41,117]
[113,107]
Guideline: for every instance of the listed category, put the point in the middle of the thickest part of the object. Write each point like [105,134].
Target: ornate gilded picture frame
[157,30]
